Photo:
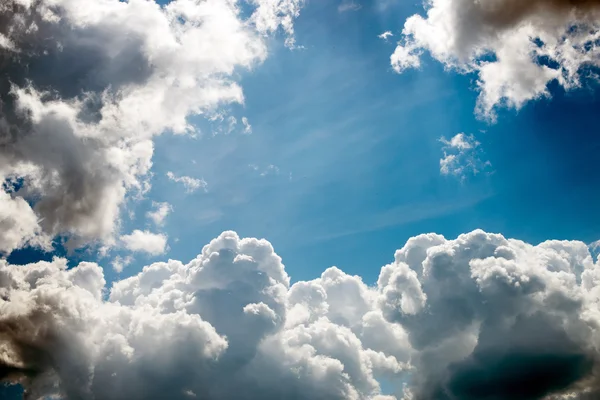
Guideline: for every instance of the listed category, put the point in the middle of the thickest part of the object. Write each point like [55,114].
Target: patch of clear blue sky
[361,144]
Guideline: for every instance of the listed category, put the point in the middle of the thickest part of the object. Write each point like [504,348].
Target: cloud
[515,47]
[119,263]
[79,111]
[160,213]
[346,6]
[462,156]
[145,241]
[483,307]
[385,35]
[247,126]
[19,226]
[225,325]
[190,184]
[477,317]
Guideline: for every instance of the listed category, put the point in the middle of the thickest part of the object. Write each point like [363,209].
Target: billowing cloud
[190,184]
[516,47]
[462,156]
[145,241]
[478,317]
[86,85]
[225,325]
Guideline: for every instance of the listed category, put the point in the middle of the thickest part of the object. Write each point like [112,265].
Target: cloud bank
[515,47]
[478,317]
[85,86]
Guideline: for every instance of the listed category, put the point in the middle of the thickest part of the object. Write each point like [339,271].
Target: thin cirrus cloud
[479,316]
[80,111]
[505,42]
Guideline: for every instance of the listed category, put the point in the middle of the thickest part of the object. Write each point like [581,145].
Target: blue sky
[357,150]
[350,154]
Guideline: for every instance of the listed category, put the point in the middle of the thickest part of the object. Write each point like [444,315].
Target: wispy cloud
[190,184]
[349,6]
[247,126]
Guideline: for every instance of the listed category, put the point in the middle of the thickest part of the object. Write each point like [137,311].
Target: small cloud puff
[119,263]
[385,35]
[145,241]
[462,156]
[160,212]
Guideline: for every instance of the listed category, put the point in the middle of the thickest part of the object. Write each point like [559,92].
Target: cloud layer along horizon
[478,317]
[87,85]
[515,47]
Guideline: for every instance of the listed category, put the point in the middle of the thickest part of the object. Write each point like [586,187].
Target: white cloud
[462,156]
[385,35]
[227,325]
[190,184]
[450,318]
[80,119]
[145,241]
[19,226]
[119,263]
[160,212]
[503,41]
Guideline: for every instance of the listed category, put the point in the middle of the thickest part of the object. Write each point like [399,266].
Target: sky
[452,143]
[355,152]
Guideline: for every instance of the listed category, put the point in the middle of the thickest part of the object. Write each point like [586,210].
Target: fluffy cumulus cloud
[516,47]
[477,317]
[226,325]
[462,156]
[86,85]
